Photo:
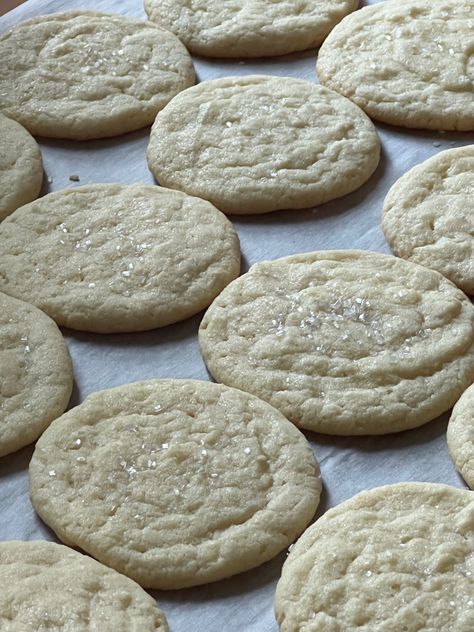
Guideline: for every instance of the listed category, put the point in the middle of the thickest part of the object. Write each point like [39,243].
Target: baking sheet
[348,465]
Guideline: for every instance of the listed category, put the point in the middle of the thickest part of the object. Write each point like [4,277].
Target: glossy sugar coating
[405,63]
[257,143]
[428,215]
[248,28]
[46,587]
[399,557]
[460,435]
[175,483]
[35,373]
[343,342]
[110,257]
[83,74]
[21,166]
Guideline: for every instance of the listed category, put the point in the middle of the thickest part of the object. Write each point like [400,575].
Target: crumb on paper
[74,178]
[50,180]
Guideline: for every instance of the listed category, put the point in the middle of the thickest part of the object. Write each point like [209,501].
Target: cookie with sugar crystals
[175,483]
[111,258]
[460,435]
[258,143]
[398,557]
[35,373]
[343,342]
[83,74]
[49,586]
[405,63]
[248,28]
[428,215]
[21,166]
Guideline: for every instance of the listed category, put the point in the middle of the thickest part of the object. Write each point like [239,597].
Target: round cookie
[255,144]
[405,63]
[82,74]
[111,258]
[21,167]
[47,586]
[343,342]
[175,483]
[248,28]
[35,373]
[460,435]
[428,215]
[393,558]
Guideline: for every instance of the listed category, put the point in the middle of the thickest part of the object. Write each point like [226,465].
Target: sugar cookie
[46,586]
[110,258]
[175,482]
[35,373]
[343,342]
[428,215]
[82,74]
[248,28]
[398,557]
[257,143]
[405,63]
[21,166]
[460,436]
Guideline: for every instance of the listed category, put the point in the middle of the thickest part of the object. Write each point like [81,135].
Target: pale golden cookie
[82,74]
[175,483]
[405,63]
[258,143]
[428,215]
[399,557]
[47,587]
[35,373]
[21,166]
[110,257]
[343,342]
[460,435]
[248,28]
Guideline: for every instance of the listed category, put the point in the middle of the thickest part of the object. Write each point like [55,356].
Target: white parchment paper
[243,603]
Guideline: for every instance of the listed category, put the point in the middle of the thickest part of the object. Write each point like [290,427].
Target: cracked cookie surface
[428,215]
[460,436]
[248,28]
[35,373]
[175,483]
[46,586]
[21,166]
[257,143]
[405,63]
[110,257]
[393,558]
[82,74]
[343,342]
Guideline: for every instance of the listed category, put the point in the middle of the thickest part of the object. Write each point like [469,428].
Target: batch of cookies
[175,483]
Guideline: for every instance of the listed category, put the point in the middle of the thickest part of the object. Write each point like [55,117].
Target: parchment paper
[243,603]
